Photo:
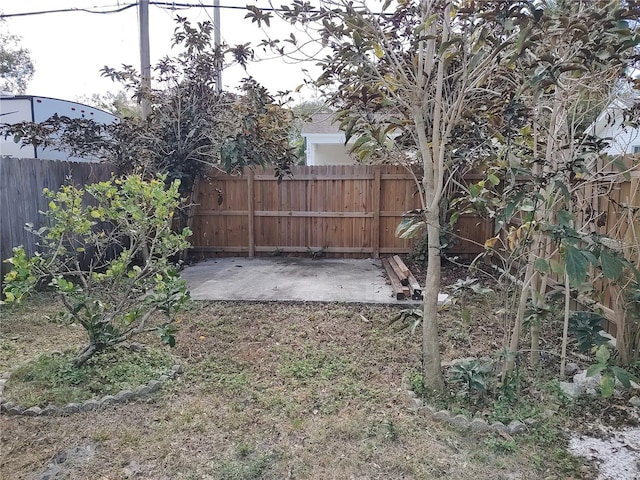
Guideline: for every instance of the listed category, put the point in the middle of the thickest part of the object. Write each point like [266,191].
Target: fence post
[250,210]
[375,227]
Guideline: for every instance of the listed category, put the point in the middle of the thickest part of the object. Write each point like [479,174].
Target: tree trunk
[534,356]
[84,355]
[432,371]
[538,295]
[514,342]
[565,327]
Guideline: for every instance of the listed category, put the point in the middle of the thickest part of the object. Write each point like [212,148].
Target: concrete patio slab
[291,279]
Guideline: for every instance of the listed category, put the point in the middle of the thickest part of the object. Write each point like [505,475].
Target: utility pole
[145,56]
[216,40]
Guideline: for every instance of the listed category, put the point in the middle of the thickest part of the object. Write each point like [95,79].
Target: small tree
[109,262]
[403,80]
[547,170]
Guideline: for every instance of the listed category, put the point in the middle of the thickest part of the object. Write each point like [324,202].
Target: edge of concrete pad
[196,276]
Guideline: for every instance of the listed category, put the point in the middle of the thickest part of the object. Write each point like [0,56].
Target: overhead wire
[170,5]
[68,10]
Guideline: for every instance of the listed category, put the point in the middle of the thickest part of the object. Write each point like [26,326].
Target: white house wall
[622,139]
[327,149]
[331,154]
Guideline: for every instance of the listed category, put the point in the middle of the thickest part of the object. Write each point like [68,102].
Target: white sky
[69,49]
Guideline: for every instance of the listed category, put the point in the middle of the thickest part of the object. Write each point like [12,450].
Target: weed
[390,430]
[417,383]
[340,313]
[6,346]
[222,373]
[100,436]
[473,375]
[316,253]
[248,465]
[458,335]
[130,437]
[609,373]
[510,387]
[502,445]
[586,327]
[244,450]
[315,364]
[51,378]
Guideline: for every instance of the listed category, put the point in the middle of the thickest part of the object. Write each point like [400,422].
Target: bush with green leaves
[586,327]
[472,375]
[106,251]
[609,373]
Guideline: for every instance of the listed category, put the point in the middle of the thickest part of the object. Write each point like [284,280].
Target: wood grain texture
[21,199]
[345,210]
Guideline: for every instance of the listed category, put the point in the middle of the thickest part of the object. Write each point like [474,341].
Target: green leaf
[357,39]
[527,206]
[621,375]
[378,50]
[409,227]
[542,265]
[591,257]
[576,264]
[565,218]
[493,180]
[511,206]
[475,189]
[413,230]
[466,315]
[557,267]
[611,265]
[607,385]
[594,370]
[621,167]
[361,141]
[602,355]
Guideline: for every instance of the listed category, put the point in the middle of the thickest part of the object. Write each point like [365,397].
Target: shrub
[109,261]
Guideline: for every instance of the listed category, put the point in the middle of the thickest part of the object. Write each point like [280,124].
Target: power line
[165,5]
[67,10]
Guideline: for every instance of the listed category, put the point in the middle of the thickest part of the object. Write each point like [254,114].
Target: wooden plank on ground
[400,292]
[414,285]
[416,288]
[401,265]
[398,271]
[398,289]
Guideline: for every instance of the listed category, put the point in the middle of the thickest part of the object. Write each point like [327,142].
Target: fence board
[21,199]
[343,210]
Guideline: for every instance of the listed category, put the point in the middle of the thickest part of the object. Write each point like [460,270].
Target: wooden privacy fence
[611,207]
[21,183]
[336,210]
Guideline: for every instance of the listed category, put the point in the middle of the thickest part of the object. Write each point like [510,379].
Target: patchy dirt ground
[276,391]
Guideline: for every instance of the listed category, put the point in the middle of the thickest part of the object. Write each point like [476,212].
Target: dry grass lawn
[269,391]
